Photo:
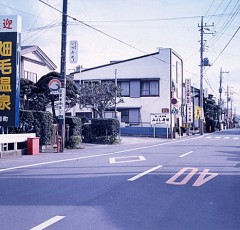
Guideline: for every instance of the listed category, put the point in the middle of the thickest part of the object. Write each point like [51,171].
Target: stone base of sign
[12,153]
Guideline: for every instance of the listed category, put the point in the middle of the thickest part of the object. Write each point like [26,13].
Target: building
[35,63]
[151,88]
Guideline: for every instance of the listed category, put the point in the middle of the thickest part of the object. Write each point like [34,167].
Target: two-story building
[151,88]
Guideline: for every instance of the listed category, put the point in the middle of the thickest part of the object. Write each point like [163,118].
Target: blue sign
[9,76]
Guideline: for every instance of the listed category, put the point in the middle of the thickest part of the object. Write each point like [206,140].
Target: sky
[108,30]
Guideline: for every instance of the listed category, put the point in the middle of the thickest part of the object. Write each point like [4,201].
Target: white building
[35,63]
[151,85]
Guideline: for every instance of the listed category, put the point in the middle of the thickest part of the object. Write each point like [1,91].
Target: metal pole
[61,119]
[201,79]
[115,107]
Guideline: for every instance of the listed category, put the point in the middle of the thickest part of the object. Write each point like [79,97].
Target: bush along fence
[41,123]
[36,122]
[101,131]
[73,134]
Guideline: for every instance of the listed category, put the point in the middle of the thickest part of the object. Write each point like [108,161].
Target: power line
[104,33]
[226,45]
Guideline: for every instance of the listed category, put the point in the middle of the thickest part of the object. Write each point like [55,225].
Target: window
[30,76]
[125,88]
[149,88]
[125,115]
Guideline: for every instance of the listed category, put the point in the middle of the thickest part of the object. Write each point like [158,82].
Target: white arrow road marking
[185,154]
[48,223]
[144,173]
[114,160]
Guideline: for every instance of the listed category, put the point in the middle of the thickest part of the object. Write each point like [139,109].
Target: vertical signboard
[10,47]
[73,55]
[188,97]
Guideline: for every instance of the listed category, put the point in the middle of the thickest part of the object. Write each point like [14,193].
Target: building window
[30,76]
[125,88]
[149,88]
[125,115]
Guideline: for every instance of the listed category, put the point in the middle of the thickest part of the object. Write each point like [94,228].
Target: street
[139,184]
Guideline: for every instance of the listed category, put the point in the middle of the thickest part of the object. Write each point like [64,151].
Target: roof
[117,62]
[40,54]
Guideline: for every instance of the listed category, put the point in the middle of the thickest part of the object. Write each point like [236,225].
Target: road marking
[144,173]
[185,154]
[48,223]
[226,137]
[114,160]
[235,138]
[204,177]
[98,155]
[208,137]
[217,137]
[173,179]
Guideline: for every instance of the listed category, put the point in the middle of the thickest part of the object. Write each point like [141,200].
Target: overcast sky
[144,25]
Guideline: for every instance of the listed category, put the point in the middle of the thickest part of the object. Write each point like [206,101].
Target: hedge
[35,122]
[73,132]
[101,131]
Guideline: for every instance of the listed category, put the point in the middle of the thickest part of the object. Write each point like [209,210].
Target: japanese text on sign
[188,91]
[5,69]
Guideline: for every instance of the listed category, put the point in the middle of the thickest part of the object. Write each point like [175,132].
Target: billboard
[9,70]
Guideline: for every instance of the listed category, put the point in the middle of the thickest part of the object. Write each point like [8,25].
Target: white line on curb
[185,154]
[144,173]
[48,223]
[92,156]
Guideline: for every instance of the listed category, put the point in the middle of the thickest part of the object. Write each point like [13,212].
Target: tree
[99,96]
[211,111]
[40,96]
[27,87]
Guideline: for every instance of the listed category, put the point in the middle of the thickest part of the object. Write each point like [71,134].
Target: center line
[185,154]
[144,173]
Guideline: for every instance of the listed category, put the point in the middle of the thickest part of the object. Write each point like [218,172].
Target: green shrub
[73,132]
[101,131]
[35,122]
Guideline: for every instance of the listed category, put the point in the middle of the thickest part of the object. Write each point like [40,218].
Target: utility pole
[62,95]
[115,107]
[220,96]
[203,62]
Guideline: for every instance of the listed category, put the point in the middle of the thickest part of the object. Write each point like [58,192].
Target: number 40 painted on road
[204,177]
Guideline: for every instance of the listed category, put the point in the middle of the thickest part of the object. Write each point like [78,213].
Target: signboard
[189,114]
[188,91]
[9,70]
[73,55]
[197,112]
[61,104]
[54,85]
[160,119]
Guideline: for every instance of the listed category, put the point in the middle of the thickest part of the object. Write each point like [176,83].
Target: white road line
[114,160]
[93,156]
[48,223]
[226,137]
[217,137]
[144,173]
[185,154]
[208,137]
[235,138]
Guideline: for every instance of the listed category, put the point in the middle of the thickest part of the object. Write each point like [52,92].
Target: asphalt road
[140,184]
